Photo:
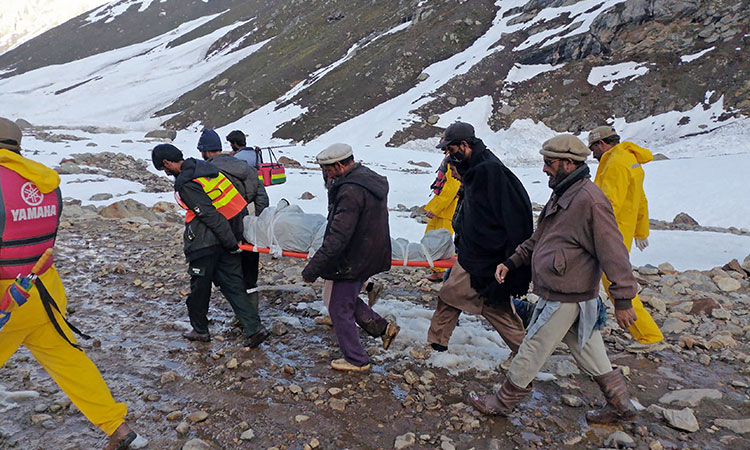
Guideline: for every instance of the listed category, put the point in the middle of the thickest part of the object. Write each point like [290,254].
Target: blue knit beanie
[209,141]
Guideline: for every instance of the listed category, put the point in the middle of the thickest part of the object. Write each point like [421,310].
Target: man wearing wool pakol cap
[356,245]
[575,239]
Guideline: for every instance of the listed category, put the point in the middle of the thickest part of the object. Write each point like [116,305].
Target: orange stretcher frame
[441,263]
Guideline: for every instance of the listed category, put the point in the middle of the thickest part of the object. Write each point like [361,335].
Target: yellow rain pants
[620,176]
[443,205]
[71,369]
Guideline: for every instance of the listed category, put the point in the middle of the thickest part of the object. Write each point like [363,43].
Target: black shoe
[438,347]
[258,338]
[193,335]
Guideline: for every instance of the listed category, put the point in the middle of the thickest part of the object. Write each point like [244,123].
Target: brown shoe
[258,338]
[391,331]
[435,277]
[374,294]
[193,335]
[502,402]
[619,408]
[344,365]
[121,438]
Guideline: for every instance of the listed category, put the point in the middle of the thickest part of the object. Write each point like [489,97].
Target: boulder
[162,134]
[127,209]
[689,397]
[684,219]
[738,426]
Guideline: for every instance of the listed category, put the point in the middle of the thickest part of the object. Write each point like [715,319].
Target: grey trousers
[535,350]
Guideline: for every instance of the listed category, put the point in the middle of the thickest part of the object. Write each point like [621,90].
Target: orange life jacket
[224,197]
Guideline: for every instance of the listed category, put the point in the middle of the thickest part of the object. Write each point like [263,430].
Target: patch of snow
[616,73]
[109,12]
[694,56]
[519,73]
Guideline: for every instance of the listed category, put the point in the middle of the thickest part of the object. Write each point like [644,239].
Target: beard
[557,178]
[172,173]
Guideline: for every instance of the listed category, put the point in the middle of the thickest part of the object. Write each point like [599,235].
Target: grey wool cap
[334,154]
[599,133]
[565,146]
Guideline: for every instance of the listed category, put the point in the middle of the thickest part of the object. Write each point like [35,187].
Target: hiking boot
[193,335]
[500,403]
[438,347]
[374,294]
[435,277]
[619,408]
[121,438]
[391,331]
[344,365]
[258,338]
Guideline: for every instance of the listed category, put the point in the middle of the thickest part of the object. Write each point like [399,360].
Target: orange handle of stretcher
[42,261]
[440,263]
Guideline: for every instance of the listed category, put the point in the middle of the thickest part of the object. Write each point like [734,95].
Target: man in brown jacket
[356,245]
[576,237]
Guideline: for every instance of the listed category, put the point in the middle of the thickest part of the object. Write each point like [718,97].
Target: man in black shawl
[494,217]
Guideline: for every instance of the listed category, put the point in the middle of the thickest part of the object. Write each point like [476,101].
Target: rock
[727,284]
[746,263]
[404,441]
[704,306]
[735,266]
[182,428]
[666,268]
[278,329]
[68,167]
[299,418]
[660,157]
[337,404]
[162,134]
[247,434]
[174,415]
[566,367]
[198,416]
[196,444]
[232,364]
[423,76]
[306,196]
[23,124]
[619,439]
[410,377]
[684,219]
[294,389]
[648,269]
[738,426]
[334,391]
[655,445]
[419,163]
[289,162]
[100,196]
[722,340]
[571,400]
[433,119]
[720,313]
[139,442]
[168,377]
[39,418]
[673,325]
[683,419]
[689,397]
[656,303]
[127,209]
[452,100]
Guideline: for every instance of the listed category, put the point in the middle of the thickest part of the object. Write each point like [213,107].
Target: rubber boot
[502,402]
[619,407]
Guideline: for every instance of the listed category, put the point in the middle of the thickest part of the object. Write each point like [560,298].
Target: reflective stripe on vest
[224,196]
[28,224]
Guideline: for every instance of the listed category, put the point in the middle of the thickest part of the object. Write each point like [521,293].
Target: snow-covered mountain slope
[25,19]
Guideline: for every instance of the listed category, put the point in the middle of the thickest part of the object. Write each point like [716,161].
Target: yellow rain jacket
[444,204]
[30,326]
[620,176]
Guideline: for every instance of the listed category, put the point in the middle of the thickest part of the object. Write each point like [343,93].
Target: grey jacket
[244,178]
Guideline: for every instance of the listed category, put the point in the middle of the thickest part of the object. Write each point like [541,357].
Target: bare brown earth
[126,284]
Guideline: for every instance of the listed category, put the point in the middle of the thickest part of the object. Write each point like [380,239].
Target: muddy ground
[126,284]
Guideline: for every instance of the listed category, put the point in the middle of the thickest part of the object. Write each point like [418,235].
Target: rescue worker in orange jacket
[30,208]
[620,176]
[213,229]
[442,206]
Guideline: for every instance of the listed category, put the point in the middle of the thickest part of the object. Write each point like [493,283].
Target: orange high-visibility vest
[224,197]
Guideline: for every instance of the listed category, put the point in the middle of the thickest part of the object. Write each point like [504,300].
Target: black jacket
[209,230]
[357,242]
[244,178]
[494,218]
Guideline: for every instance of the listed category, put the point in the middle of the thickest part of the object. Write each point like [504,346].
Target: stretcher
[440,263]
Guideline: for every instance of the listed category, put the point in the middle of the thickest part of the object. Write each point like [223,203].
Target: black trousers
[250,263]
[225,270]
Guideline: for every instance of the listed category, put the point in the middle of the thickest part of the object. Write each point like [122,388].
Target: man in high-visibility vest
[620,176]
[30,208]
[213,227]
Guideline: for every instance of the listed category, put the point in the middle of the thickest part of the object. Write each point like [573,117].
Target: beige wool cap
[10,135]
[334,154]
[599,133]
[565,146]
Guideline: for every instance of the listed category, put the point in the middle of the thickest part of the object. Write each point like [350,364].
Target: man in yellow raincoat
[441,207]
[620,175]
[30,207]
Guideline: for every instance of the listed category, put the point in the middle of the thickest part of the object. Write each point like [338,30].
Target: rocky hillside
[336,59]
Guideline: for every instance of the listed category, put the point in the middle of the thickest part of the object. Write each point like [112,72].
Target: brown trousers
[457,296]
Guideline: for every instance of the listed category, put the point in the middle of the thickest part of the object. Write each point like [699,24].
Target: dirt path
[126,285]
